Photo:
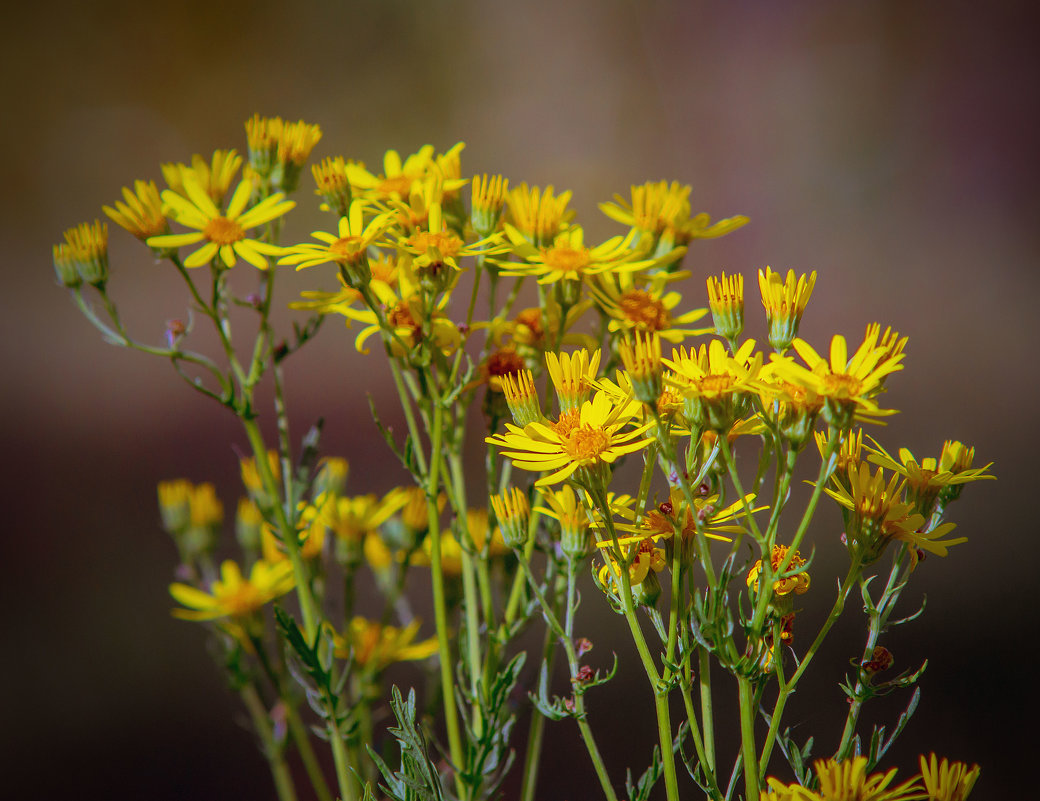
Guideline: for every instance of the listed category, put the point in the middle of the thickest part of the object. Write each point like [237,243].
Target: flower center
[223,231]
[444,242]
[715,384]
[842,385]
[586,442]
[401,316]
[567,259]
[240,601]
[346,248]
[567,423]
[640,308]
[399,184]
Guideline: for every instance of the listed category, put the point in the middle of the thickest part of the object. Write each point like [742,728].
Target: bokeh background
[891,146]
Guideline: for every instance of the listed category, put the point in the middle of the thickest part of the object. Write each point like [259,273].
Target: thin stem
[747,738]
[283,783]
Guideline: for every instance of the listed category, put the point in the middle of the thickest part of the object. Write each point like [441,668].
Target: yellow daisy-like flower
[434,244]
[661,210]
[141,214]
[846,384]
[566,508]
[647,558]
[383,270]
[845,781]
[397,177]
[352,518]
[224,234]
[84,256]
[375,647]
[716,386]
[568,259]
[947,781]
[512,512]
[879,515]
[214,178]
[333,184]
[538,216]
[279,149]
[675,515]
[522,397]
[588,438]
[798,584]
[646,308]
[784,300]
[232,595]
[924,480]
[346,248]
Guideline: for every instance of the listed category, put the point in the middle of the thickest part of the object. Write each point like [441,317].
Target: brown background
[891,146]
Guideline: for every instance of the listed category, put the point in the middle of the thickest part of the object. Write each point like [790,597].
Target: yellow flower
[726,299]
[376,647]
[798,584]
[224,234]
[784,301]
[879,515]
[488,197]
[661,211]
[232,595]
[568,259]
[716,386]
[333,184]
[398,176]
[565,507]
[214,178]
[251,476]
[573,376]
[647,308]
[279,149]
[675,515]
[141,214]
[588,439]
[791,408]
[382,270]
[647,557]
[946,781]
[433,244]
[845,781]
[348,249]
[352,518]
[924,480]
[512,512]
[538,216]
[846,384]
[522,397]
[86,251]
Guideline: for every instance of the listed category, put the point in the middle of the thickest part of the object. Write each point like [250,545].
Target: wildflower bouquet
[707,564]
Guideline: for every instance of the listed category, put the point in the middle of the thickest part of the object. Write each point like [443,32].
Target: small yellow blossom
[348,248]
[86,247]
[376,647]
[726,299]
[798,584]
[232,595]
[717,387]
[214,177]
[947,781]
[140,212]
[224,234]
[333,184]
[844,781]
[784,300]
[512,511]
[646,307]
[488,197]
[847,384]
[522,397]
[589,438]
[573,376]
[538,215]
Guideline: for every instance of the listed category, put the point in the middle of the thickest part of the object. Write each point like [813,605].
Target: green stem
[747,738]
[301,738]
[707,714]
[283,782]
[439,603]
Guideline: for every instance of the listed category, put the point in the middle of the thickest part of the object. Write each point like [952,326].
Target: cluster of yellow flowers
[601,370]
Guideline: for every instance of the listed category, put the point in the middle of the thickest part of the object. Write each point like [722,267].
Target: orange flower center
[567,423]
[842,385]
[346,248]
[223,231]
[567,259]
[241,600]
[444,242]
[401,316]
[642,309]
[586,443]
[716,384]
[399,184]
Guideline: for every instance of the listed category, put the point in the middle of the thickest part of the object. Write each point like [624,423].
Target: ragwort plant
[706,567]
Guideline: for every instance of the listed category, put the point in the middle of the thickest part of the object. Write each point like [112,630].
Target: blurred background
[891,146]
